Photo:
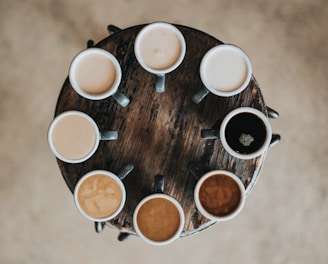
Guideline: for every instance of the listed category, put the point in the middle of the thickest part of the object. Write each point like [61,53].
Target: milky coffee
[95,73]
[74,136]
[225,70]
[160,48]
[99,196]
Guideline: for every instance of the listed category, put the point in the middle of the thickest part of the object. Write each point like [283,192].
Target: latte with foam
[99,196]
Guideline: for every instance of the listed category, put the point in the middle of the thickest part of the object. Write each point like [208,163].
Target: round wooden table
[160,133]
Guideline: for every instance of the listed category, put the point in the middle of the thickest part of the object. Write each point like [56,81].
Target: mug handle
[90,43]
[200,95]
[159,184]
[209,134]
[113,29]
[125,171]
[122,236]
[122,174]
[121,99]
[272,113]
[99,226]
[109,135]
[275,137]
[160,83]
[274,140]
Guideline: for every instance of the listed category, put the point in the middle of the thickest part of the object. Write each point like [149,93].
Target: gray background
[285,217]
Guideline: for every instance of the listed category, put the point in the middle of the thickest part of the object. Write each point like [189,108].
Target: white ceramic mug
[160,48]
[158,219]
[96,74]
[219,195]
[245,133]
[225,70]
[99,195]
[74,136]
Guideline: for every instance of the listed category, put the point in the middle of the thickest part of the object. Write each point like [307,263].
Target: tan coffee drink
[95,73]
[158,219]
[74,136]
[160,48]
[99,196]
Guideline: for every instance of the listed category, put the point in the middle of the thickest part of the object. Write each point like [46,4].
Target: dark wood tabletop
[160,133]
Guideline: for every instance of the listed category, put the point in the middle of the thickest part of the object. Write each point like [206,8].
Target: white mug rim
[181,214]
[214,217]
[60,117]
[203,74]
[266,123]
[72,69]
[110,175]
[168,26]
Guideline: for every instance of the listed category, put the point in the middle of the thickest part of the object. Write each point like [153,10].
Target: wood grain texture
[160,133]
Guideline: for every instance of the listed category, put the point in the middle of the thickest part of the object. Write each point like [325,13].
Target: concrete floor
[285,217]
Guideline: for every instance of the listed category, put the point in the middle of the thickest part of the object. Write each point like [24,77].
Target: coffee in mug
[225,70]
[96,74]
[245,133]
[160,47]
[73,136]
[99,195]
[219,195]
[158,219]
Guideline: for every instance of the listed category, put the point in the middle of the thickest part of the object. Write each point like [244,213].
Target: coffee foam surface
[99,196]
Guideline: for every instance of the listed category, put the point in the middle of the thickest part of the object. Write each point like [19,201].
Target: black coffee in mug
[245,133]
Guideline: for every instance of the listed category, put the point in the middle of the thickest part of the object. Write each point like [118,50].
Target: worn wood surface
[160,133]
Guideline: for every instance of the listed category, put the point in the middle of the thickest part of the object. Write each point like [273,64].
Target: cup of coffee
[245,133]
[158,218]
[219,195]
[225,70]
[99,195]
[160,48]
[73,136]
[96,74]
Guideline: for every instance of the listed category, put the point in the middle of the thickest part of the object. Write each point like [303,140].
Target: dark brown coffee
[245,133]
[220,195]
[158,219]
